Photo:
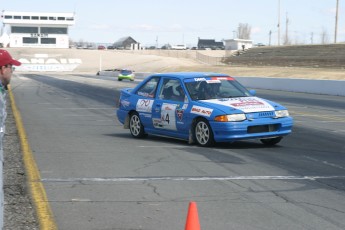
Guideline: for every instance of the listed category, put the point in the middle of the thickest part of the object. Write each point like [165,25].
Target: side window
[148,89]
[172,90]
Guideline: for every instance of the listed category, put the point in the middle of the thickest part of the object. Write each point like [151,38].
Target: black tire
[271,141]
[135,126]
[203,134]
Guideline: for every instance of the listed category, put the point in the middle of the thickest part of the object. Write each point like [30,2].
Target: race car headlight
[232,117]
[281,113]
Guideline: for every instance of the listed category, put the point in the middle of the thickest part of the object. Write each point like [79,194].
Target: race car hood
[242,104]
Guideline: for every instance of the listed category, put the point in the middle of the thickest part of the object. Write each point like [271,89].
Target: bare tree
[244,31]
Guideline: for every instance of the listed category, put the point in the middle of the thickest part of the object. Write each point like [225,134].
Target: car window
[126,72]
[149,88]
[172,90]
[214,87]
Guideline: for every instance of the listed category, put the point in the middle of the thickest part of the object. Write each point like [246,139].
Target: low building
[238,44]
[178,47]
[210,44]
[126,43]
[39,30]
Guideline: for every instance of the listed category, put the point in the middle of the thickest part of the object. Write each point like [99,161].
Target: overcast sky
[184,21]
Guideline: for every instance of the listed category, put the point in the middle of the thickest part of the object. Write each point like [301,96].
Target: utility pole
[336,22]
[278,23]
[287,30]
[156,42]
[312,38]
[269,34]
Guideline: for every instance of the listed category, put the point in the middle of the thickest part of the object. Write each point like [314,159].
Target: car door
[145,97]
[168,108]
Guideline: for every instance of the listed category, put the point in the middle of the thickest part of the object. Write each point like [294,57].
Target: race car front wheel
[271,141]
[135,126]
[203,134]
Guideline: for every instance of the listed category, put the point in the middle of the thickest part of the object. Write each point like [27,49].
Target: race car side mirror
[252,92]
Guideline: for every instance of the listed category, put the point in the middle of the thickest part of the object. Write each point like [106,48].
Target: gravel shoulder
[19,212]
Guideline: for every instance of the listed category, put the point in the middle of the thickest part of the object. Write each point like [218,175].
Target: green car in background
[126,74]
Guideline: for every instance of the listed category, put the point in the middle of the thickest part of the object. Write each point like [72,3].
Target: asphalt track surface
[96,176]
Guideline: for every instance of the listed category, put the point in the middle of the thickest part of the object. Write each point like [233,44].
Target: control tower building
[39,30]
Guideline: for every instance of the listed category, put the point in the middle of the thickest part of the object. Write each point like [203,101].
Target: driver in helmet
[212,91]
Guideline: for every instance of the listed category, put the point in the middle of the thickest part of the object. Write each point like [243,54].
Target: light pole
[278,22]
[336,22]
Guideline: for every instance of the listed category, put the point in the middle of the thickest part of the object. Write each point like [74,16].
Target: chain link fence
[210,57]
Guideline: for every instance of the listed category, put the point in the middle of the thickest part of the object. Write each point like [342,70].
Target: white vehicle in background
[178,47]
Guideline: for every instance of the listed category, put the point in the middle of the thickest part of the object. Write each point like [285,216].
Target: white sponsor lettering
[245,104]
[201,110]
[42,62]
[199,79]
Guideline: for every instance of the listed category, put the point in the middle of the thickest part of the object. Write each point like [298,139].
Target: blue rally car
[202,108]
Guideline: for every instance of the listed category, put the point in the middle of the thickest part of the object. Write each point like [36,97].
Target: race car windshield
[214,88]
[126,72]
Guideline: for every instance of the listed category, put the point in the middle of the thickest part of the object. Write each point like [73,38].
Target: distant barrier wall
[329,87]
[201,56]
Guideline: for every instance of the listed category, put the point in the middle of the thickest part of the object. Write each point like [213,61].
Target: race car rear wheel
[203,134]
[135,126]
[271,141]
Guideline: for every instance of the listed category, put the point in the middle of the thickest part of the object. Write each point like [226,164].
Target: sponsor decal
[46,63]
[125,103]
[213,81]
[223,78]
[168,107]
[168,116]
[148,115]
[179,113]
[218,79]
[245,104]
[201,110]
[157,123]
[184,106]
[200,79]
[144,105]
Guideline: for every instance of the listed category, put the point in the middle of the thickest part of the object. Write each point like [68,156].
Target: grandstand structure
[323,56]
[38,30]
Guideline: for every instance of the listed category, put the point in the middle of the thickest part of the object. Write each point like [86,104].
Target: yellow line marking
[38,193]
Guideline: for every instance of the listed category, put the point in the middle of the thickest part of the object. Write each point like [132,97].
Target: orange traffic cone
[192,222]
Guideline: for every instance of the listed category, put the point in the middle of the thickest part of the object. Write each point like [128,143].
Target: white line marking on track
[135,179]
